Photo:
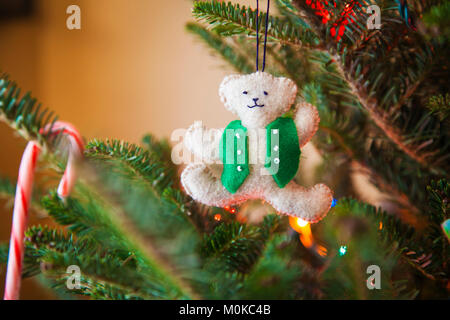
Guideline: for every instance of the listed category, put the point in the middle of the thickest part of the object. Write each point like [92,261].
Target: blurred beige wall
[130,70]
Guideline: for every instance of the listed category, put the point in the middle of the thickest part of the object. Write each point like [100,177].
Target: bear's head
[257,98]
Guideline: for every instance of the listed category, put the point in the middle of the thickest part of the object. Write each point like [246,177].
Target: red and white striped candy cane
[23,198]
[20,217]
[75,152]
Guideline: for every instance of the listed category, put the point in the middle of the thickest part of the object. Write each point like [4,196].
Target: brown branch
[339,139]
[409,91]
[381,118]
[411,216]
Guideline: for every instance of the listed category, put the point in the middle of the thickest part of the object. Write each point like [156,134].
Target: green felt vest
[282,157]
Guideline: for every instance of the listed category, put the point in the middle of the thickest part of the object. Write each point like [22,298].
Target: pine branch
[200,215]
[169,221]
[27,118]
[398,171]
[286,8]
[238,246]
[382,120]
[161,150]
[89,219]
[361,48]
[420,138]
[293,63]
[229,273]
[22,113]
[95,220]
[141,182]
[388,170]
[416,249]
[392,229]
[440,106]
[347,131]
[228,53]
[275,275]
[439,211]
[102,269]
[229,19]
[439,195]
[139,162]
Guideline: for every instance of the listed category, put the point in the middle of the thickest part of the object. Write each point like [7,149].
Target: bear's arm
[307,121]
[203,142]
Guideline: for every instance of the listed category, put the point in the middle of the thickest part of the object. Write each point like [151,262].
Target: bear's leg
[310,204]
[202,185]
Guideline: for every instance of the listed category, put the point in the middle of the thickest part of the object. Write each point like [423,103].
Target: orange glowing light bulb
[306,236]
[297,224]
[302,223]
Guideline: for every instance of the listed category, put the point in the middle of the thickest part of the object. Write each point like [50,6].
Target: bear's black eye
[245,92]
[265,92]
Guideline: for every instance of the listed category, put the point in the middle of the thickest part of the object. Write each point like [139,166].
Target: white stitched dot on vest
[239,168]
[275,148]
[275,131]
[276,160]
[239,152]
[237,135]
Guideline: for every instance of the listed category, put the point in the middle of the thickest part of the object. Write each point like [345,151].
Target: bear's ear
[225,90]
[288,90]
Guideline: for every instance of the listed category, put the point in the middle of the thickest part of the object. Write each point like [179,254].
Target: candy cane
[20,217]
[23,198]
[75,152]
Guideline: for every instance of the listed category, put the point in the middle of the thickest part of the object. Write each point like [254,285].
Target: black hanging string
[265,35]
[257,35]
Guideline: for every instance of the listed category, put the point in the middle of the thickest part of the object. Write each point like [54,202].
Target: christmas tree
[381,89]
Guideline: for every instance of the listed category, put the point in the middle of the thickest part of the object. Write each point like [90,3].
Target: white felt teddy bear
[258,156]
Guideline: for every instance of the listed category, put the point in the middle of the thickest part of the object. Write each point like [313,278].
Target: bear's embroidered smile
[256,106]
[256,101]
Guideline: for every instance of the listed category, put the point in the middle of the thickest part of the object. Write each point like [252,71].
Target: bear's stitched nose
[255,99]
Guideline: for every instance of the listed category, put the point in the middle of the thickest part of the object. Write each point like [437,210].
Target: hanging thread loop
[265,35]
[257,35]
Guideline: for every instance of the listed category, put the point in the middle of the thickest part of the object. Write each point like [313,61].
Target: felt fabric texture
[203,142]
[234,155]
[307,121]
[238,93]
[283,153]
[257,99]
[283,150]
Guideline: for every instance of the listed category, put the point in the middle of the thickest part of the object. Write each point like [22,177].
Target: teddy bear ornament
[258,156]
